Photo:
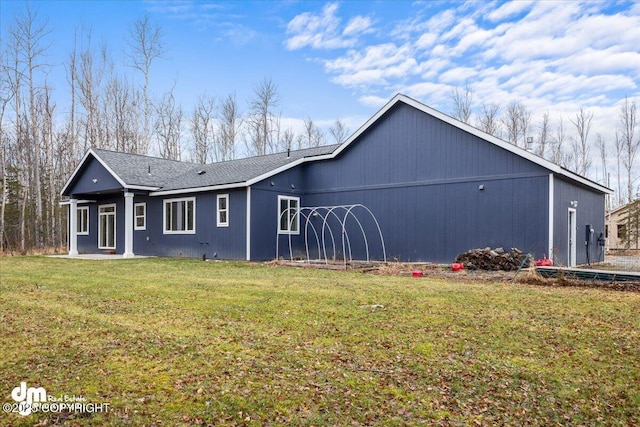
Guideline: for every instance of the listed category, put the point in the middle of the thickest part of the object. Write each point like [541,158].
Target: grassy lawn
[184,342]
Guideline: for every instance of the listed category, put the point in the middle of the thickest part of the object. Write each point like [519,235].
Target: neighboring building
[623,227]
[436,186]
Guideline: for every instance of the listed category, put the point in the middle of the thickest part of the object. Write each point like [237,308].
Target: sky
[347,59]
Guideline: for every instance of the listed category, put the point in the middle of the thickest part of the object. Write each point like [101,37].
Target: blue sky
[346,59]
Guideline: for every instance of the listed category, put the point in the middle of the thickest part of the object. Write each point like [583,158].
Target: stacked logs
[492,259]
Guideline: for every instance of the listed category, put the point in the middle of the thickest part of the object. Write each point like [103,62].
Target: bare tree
[71,136]
[30,35]
[230,123]
[557,155]
[201,125]
[145,44]
[120,114]
[630,143]
[462,103]
[544,135]
[489,120]
[619,151]
[90,80]
[516,120]
[288,136]
[168,127]
[263,124]
[601,144]
[312,136]
[6,95]
[580,144]
[339,131]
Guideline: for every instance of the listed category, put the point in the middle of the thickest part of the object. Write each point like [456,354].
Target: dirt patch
[440,271]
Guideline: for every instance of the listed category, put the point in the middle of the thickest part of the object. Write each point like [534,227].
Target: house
[434,186]
[618,223]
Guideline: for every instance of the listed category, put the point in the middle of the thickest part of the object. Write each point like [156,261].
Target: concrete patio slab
[97,257]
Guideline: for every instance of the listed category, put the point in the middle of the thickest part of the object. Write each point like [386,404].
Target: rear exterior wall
[435,189]
[589,211]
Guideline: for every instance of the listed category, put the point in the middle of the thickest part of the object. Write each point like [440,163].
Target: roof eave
[102,162]
[177,191]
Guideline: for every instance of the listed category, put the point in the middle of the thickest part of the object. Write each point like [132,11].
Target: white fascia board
[198,189]
[275,171]
[120,181]
[80,202]
[84,159]
[140,187]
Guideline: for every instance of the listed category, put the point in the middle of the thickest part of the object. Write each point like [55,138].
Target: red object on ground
[418,273]
[544,263]
[457,266]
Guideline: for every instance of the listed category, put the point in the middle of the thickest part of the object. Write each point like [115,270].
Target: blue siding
[409,146]
[437,222]
[89,244]
[264,214]
[421,176]
[590,210]
[209,240]
[105,182]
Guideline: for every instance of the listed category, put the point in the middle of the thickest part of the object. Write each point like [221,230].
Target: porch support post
[128,225]
[551,215]
[73,227]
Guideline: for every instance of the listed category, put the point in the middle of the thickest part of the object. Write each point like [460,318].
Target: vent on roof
[201,172]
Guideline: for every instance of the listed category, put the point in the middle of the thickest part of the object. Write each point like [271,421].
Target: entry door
[571,232]
[107,227]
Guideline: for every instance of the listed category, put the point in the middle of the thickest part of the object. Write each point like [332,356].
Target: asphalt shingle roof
[166,175]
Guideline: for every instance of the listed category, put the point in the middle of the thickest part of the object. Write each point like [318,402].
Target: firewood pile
[492,259]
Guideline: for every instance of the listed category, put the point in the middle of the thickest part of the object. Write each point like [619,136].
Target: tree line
[113,109]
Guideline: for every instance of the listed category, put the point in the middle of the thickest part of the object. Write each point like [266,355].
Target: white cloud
[374,66]
[322,31]
[457,76]
[509,9]
[373,101]
[357,25]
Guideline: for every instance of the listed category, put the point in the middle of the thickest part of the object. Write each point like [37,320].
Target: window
[622,232]
[288,218]
[222,211]
[180,216]
[140,216]
[107,227]
[83,221]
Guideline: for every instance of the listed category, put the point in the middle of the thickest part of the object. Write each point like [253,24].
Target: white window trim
[115,220]
[143,216]
[218,210]
[164,215]
[86,224]
[297,221]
